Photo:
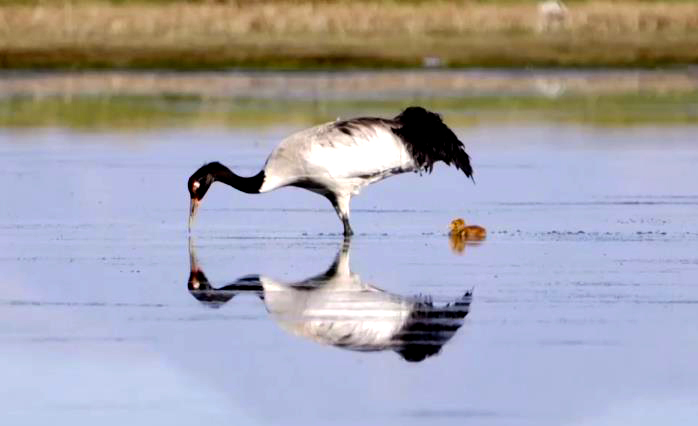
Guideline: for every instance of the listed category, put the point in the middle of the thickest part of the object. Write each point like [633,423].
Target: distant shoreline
[93,34]
[132,100]
[348,85]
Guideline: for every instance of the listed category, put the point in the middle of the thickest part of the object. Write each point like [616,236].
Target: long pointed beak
[193,207]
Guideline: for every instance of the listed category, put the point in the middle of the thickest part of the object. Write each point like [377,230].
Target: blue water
[584,293]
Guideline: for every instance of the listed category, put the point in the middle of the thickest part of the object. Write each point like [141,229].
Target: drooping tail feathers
[429,140]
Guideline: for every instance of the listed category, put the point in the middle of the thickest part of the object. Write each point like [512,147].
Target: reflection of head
[429,328]
[201,289]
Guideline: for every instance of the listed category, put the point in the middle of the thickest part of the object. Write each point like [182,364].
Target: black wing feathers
[429,140]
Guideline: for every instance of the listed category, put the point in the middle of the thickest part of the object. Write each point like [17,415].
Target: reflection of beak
[193,262]
[194,206]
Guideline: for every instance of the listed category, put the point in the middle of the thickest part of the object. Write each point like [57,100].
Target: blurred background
[151,63]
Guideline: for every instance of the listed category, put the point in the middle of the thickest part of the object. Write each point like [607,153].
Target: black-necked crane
[338,159]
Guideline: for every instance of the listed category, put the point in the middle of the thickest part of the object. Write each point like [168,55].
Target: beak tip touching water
[193,207]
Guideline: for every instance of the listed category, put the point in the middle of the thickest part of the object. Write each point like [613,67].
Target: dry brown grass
[460,33]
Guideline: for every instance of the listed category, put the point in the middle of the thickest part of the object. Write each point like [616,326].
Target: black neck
[250,185]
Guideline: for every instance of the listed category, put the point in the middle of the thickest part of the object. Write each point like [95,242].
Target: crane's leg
[348,232]
[340,202]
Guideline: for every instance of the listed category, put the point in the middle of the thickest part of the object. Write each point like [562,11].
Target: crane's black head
[199,183]
[202,179]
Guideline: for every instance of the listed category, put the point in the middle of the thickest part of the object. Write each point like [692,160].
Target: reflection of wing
[336,308]
[428,328]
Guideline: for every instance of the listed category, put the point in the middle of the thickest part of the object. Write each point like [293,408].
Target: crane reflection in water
[337,308]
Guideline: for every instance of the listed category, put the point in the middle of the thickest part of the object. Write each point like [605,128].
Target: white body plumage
[338,162]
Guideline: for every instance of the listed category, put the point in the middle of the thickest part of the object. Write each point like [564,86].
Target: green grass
[148,112]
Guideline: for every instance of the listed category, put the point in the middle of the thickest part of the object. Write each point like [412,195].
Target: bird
[337,308]
[338,159]
[552,15]
[461,235]
[459,229]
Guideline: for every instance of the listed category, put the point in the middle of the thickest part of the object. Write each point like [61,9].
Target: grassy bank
[129,112]
[342,34]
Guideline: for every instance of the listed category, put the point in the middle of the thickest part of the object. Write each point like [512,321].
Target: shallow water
[583,306]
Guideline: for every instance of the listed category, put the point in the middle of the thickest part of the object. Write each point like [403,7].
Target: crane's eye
[195,185]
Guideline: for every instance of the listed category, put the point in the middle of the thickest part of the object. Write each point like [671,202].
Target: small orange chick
[458,228]
[461,234]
